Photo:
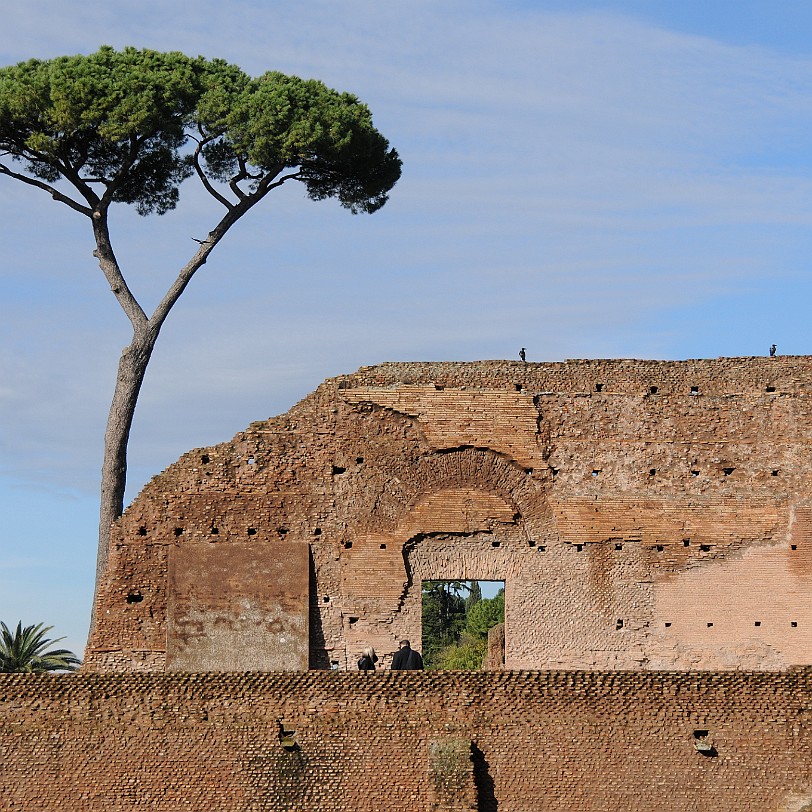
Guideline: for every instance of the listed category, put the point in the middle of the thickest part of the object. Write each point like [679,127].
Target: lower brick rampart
[516,741]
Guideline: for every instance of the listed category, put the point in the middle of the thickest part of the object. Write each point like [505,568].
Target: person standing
[368,660]
[406,659]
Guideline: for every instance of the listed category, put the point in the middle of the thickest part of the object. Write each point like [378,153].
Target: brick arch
[467,513]
[470,514]
[467,468]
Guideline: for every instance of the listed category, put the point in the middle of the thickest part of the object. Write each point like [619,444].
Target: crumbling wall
[642,514]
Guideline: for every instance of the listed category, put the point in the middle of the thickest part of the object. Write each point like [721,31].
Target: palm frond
[26,651]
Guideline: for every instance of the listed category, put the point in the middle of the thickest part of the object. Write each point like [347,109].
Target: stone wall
[512,741]
[643,515]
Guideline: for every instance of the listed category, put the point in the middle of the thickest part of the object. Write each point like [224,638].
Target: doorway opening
[457,616]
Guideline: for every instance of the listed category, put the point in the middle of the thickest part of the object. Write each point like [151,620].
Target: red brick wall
[642,514]
[512,741]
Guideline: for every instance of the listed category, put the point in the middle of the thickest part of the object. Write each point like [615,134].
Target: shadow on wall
[483,780]
[319,658]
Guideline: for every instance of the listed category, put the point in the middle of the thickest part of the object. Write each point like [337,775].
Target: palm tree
[25,651]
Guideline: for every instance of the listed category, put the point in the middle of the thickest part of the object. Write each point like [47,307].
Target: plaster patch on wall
[238,606]
[796,803]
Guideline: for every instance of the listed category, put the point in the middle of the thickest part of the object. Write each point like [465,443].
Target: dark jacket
[365,664]
[406,659]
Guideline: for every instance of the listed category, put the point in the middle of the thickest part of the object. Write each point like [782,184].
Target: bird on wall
[772,350]
[522,354]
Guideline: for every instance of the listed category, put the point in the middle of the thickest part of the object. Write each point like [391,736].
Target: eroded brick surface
[512,741]
[643,515]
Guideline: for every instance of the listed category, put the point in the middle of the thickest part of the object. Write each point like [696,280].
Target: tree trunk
[132,367]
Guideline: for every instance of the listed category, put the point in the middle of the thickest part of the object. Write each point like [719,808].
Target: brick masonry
[643,515]
[510,741]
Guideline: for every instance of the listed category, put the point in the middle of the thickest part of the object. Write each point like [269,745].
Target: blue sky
[585,179]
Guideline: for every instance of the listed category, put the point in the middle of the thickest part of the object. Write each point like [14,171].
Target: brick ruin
[643,515]
[651,523]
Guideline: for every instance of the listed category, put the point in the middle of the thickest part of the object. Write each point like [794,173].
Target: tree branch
[266,185]
[248,174]
[112,272]
[53,192]
[207,246]
[195,263]
[241,175]
[112,186]
[204,180]
[201,255]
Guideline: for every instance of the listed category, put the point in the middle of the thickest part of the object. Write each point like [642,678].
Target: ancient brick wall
[642,514]
[512,741]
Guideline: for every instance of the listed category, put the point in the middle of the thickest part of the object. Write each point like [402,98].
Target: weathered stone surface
[643,515]
[238,608]
[495,654]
